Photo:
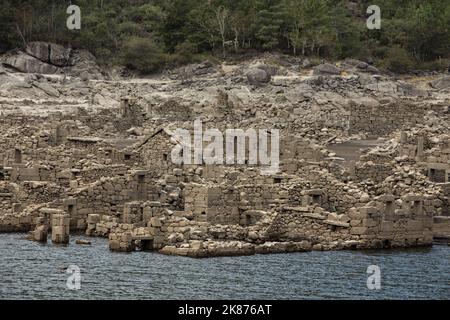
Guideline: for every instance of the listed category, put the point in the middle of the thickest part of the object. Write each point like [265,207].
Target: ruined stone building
[103,166]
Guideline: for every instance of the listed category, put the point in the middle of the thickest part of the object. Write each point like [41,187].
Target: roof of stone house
[92,140]
[169,133]
[85,139]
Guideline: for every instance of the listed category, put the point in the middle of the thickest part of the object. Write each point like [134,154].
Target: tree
[221,16]
[185,28]
[310,25]
[269,22]
[202,27]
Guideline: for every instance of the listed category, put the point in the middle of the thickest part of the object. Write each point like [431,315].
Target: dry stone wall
[382,119]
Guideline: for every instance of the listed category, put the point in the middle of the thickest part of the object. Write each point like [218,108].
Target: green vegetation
[148,34]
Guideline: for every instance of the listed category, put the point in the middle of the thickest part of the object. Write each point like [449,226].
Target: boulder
[28,64]
[408,89]
[105,101]
[271,70]
[371,69]
[257,76]
[253,235]
[441,83]
[5,78]
[82,242]
[49,52]
[327,69]
[306,63]
[83,64]
[13,84]
[203,68]
[47,88]
[360,66]
[355,63]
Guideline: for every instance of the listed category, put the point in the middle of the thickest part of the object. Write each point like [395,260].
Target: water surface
[29,270]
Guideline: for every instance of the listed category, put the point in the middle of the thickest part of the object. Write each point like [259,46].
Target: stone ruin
[98,161]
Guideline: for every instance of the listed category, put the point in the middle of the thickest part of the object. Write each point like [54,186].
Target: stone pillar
[306,200]
[125,106]
[403,137]
[17,156]
[58,134]
[413,205]
[92,221]
[60,228]
[420,144]
[155,227]
[417,207]
[77,221]
[352,169]
[122,240]
[40,233]
[142,186]
[389,206]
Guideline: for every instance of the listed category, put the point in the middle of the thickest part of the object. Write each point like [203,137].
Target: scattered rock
[257,76]
[326,69]
[83,242]
[49,52]
[29,64]
[441,83]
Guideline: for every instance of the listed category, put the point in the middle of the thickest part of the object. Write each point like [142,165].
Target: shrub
[435,65]
[186,51]
[103,55]
[397,60]
[143,55]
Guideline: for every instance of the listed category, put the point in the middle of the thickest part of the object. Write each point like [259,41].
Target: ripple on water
[30,270]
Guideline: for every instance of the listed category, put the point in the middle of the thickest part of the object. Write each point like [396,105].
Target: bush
[103,55]
[398,60]
[186,51]
[435,65]
[143,55]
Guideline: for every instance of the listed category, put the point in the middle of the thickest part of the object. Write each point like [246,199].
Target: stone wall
[90,175]
[441,227]
[296,152]
[394,222]
[385,222]
[70,154]
[156,152]
[7,198]
[382,119]
[223,204]
[108,196]
[376,172]
[311,224]
[446,201]
[105,197]
[196,200]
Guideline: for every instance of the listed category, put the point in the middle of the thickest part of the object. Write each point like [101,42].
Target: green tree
[269,23]
[310,25]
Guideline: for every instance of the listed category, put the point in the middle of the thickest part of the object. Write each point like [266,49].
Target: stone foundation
[60,228]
